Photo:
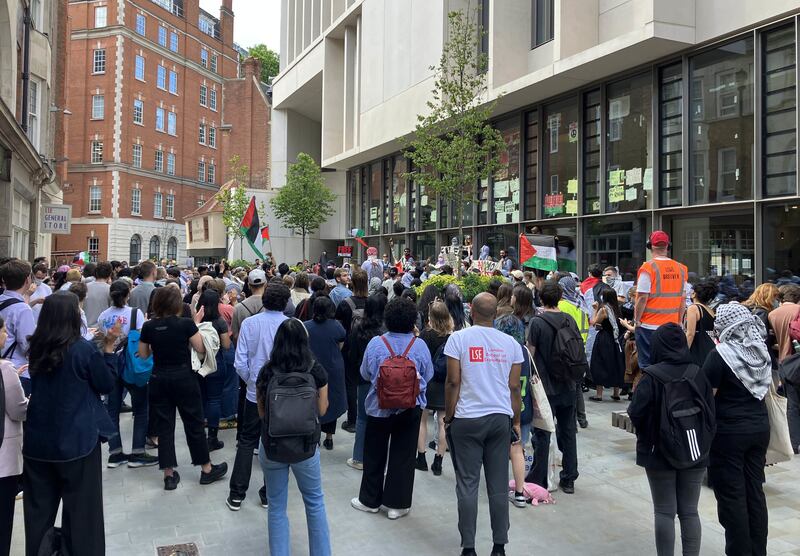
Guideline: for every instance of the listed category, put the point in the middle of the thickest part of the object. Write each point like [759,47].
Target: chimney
[252,66]
[226,21]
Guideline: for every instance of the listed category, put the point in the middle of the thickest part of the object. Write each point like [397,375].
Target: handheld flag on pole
[250,226]
[538,251]
[265,233]
[82,258]
[357,235]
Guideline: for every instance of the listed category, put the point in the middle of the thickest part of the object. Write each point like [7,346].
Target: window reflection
[505,185]
[561,158]
[782,244]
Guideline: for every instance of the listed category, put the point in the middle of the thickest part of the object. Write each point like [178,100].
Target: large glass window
[505,185]
[628,148]
[135,252]
[781,252]
[779,112]
[427,209]
[375,186]
[671,134]
[155,248]
[352,187]
[592,113]
[560,187]
[363,191]
[497,238]
[387,196]
[616,242]
[721,139]
[424,247]
[531,162]
[718,246]
[399,194]
[543,21]
[483,201]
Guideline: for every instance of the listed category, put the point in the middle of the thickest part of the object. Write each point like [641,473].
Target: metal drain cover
[188,549]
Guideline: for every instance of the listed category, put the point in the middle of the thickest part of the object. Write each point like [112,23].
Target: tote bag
[780,445]
[542,413]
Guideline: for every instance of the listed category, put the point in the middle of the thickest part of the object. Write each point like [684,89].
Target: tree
[455,146]
[234,201]
[270,63]
[304,203]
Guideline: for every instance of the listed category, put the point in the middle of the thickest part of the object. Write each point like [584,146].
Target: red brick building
[144,142]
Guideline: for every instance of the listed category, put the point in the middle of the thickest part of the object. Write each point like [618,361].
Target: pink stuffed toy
[534,493]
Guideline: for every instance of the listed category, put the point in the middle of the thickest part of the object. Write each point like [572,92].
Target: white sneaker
[355,464]
[518,500]
[392,513]
[356,503]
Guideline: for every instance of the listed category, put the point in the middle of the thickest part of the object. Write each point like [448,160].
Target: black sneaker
[567,487]
[142,460]
[498,550]
[583,423]
[422,463]
[468,552]
[217,472]
[349,427]
[263,496]
[115,460]
[215,444]
[171,481]
[233,505]
[328,443]
[436,467]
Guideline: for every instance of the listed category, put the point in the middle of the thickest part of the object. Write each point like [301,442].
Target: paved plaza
[610,512]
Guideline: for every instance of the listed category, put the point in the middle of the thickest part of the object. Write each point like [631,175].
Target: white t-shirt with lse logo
[486,356]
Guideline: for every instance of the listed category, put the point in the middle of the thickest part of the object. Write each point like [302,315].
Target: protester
[326,337]
[97,294]
[740,371]
[39,290]
[504,306]
[700,322]
[352,308]
[173,385]
[455,305]
[300,289]
[212,385]
[764,299]
[572,304]
[291,353]
[15,275]
[482,399]
[607,365]
[398,426]
[62,456]
[522,303]
[782,317]
[141,294]
[340,291]
[253,304]
[673,490]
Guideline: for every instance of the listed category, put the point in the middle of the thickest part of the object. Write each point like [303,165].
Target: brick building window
[159,119]
[202,138]
[212,137]
[136,201]
[173,41]
[201,171]
[99,65]
[137,156]
[170,164]
[212,170]
[155,248]
[135,253]
[204,57]
[161,78]
[203,95]
[205,228]
[172,249]
[138,112]
[158,164]
[100,16]
[214,63]
[162,36]
[141,24]
[95,198]
[212,99]
[170,205]
[172,123]
[173,82]
[157,204]
[139,69]
[93,245]
[98,107]
[97,152]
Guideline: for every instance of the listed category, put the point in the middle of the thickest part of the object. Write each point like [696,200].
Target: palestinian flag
[82,258]
[265,233]
[538,251]
[250,227]
[358,234]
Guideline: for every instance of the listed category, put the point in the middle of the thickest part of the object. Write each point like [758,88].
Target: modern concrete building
[145,86]
[620,116]
[29,34]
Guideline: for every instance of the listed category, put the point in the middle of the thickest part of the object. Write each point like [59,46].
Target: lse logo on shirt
[476,355]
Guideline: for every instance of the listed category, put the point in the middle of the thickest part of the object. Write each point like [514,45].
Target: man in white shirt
[40,289]
[482,407]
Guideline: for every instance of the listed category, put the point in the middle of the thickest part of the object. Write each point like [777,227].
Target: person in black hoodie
[673,490]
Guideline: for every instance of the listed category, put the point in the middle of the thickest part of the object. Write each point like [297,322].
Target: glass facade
[702,145]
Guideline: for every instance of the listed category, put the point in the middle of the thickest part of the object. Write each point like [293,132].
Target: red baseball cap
[659,237]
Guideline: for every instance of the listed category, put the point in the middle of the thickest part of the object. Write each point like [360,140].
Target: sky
[255,21]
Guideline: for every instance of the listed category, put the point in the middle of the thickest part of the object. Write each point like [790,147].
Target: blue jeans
[643,337]
[139,405]
[212,387]
[361,423]
[230,390]
[309,480]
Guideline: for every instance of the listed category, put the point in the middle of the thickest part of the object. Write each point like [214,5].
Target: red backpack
[398,381]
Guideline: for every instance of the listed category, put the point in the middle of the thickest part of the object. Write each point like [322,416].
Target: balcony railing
[172,6]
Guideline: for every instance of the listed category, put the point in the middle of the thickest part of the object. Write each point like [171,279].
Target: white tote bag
[780,444]
[542,413]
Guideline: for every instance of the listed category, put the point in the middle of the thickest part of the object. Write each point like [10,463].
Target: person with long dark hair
[429,295]
[66,422]
[522,304]
[291,353]
[326,336]
[700,322]
[363,331]
[455,304]
[607,365]
[120,313]
[212,385]
[305,310]
[173,385]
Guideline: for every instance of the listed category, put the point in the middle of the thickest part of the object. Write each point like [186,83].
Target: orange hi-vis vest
[667,278]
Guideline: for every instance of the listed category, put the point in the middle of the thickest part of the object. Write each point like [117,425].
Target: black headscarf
[668,345]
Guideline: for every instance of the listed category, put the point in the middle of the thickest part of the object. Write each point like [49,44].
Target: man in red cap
[660,297]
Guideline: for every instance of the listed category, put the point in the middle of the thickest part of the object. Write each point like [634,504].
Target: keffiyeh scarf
[570,290]
[742,347]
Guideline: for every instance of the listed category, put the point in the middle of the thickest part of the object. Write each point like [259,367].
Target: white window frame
[95,199]
[158,200]
[173,41]
[136,156]
[202,138]
[100,16]
[98,61]
[136,202]
[211,137]
[201,171]
[93,244]
[170,207]
[138,71]
[158,161]
[34,86]
[172,123]
[162,36]
[141,24]
[203,95]
[96,151]
[211,173]
[98,107]
[173,82]
[138,111]
[212,100]
[214,62]
[161,78]
[170,164]
[204,57]
[160,119]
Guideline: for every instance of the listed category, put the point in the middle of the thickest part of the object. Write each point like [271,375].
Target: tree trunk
[460,213]
[303,260]
[241,248]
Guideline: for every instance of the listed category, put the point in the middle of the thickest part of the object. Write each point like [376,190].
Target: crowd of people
[285,354]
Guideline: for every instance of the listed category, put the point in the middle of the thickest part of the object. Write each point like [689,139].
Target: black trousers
[9,486]
[563,407]
[249,435]
[390,445]
[78,484]
[736,471]
[178,390]
[351,388]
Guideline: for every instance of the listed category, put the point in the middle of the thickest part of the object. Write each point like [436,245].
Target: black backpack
[292,428]
[789,369]
[440,364]
[686,420]
[568,356]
